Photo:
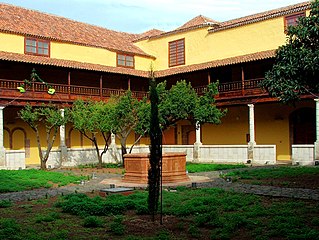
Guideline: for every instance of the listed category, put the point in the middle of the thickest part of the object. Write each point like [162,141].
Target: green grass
[196,214]
[20,180]
[208,167]
[224,214]
[104,165]
[277,172]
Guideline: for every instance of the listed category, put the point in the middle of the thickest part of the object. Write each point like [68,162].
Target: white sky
[137,16]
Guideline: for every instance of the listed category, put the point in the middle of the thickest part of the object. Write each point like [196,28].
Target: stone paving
[206,180]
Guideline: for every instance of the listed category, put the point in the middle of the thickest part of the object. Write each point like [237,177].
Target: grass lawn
[286,176]
[208,167]
[188,214]
[20,180]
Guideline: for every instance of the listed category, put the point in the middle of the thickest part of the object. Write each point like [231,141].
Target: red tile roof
[217,63]
[218,26]
[197,21]
[263,16]
[23,21]
[16,57]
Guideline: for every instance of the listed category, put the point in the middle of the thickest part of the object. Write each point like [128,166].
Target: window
[292,20]
[124,60]
[37,47]
[176,52]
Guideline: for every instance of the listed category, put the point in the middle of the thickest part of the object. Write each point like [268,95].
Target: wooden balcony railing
[8,88]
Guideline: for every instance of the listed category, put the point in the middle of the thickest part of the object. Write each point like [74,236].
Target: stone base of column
[250,153]
[196,152]
[316,153]
[64,155]
[2,157]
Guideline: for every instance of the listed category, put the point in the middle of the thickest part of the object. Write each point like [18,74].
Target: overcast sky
[137,16]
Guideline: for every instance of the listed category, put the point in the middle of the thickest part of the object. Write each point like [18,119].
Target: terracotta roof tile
[197,21]
[218,26]
[217,63]
[23,21]
[262,16]
[16,57]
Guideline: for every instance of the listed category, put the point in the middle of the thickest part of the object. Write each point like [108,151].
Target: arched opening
[303,126]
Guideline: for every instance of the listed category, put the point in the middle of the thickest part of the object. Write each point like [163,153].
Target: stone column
[252,142]
[113,150]
[63,147]
[2,149]
[317,131]
[197,144]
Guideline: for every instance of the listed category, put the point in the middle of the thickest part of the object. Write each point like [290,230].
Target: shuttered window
[37,47]
[292,20]
[176,52]
[124,60]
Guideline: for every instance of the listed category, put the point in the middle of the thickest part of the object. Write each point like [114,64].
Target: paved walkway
[203,180]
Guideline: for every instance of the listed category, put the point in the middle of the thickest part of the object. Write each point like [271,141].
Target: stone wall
[303,154]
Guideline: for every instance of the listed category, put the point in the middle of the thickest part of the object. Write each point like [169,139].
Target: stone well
[137,165]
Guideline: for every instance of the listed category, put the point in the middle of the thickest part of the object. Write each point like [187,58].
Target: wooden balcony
[68,93]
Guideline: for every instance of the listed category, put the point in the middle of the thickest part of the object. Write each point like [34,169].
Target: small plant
[51,217]
[9,228]
[163,235]
[5,204]
[194,231]
[92,222]
[117,227]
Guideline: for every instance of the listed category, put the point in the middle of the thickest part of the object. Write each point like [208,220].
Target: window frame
[295,18]
[125,65]
[37,41]
[176,52]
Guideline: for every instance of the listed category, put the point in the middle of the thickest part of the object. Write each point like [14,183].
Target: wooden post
[242,81]
[69,85]
[208,78]
[101,87]
[129,84]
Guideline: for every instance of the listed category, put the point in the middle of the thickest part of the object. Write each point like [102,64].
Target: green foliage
[5,203]
[50,217]
[20,180]
[182,102]
[9,228]
[117,227]
[295,71]
[92,222]
[207,167]
[163,235]
[50,117]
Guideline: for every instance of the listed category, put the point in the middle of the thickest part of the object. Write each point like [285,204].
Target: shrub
[5,204]
[92,222]
[117,227]
[9,228]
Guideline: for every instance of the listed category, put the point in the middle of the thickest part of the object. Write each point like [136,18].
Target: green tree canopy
[296,68]
[92,118]
[48,116]
[182,102]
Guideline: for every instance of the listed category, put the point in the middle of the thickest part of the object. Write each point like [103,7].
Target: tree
[51,118]
[182,102]
[154,173]
[130,115]
[91,118]
[296,68]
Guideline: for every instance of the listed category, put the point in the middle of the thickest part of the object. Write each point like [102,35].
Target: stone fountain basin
[137,165]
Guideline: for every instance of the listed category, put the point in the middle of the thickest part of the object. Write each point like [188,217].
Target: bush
[117,227]
[9,228]
[92,222]
[5,204]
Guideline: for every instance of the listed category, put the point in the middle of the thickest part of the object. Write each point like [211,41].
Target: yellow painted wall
[201,46]
[11,43]
[82,54]
[271,127]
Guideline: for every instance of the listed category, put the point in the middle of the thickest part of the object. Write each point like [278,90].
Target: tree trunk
[99,157]
[42,163]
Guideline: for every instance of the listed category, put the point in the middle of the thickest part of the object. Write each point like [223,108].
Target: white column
[62,130]
[317,131]
[2,149]
[197,144]
[252,142]
[251,124]
[63,147]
